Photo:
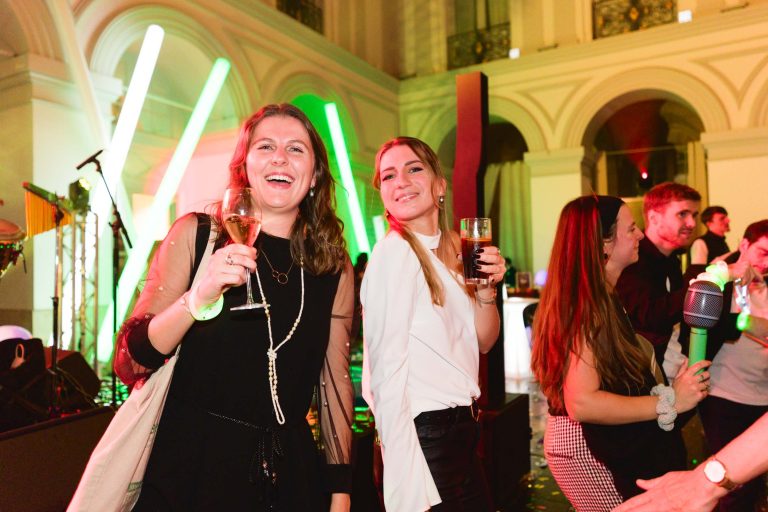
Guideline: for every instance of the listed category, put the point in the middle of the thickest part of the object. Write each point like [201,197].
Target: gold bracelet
[491,300]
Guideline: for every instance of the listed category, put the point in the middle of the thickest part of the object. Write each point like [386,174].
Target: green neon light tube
[137,261]
[347,180]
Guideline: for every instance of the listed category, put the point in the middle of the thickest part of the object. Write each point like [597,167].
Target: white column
[556,178]
[737,161]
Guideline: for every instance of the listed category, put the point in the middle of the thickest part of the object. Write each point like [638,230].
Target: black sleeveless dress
[640,449]
[218,445]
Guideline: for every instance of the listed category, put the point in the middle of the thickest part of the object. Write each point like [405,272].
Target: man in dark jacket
[652,289]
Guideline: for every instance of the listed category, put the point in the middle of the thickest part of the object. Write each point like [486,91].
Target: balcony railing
[304,11]
[478,46]
[614,17]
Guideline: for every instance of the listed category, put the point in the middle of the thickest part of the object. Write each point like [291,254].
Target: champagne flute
[241,215]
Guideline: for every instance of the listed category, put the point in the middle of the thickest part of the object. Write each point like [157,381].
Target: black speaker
[77,375]
[42,463]
[505,447]
[25,391]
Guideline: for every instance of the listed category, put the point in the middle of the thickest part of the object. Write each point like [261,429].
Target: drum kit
[11,245]
[44,211]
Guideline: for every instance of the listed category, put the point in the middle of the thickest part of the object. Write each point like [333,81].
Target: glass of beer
[475,234]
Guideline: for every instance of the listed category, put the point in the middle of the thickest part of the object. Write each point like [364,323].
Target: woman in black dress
[611,417]
[222,443]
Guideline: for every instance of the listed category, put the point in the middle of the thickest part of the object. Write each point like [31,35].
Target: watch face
[714,471]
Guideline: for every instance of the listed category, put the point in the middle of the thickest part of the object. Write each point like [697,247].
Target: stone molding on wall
[734,144]
[563,91]
[555,162]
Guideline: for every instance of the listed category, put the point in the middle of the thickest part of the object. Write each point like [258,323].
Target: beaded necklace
[272,351]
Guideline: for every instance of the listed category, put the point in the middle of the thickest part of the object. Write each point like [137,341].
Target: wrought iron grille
[476,46]
[305,12]
[613,17]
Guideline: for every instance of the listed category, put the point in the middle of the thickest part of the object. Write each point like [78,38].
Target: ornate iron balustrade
[613,17]
[304,11]
[478,46]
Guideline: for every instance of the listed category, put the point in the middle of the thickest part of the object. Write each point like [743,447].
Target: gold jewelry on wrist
[201,313]
[490,300]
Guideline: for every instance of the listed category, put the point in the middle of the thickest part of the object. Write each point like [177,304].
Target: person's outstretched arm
[744,458]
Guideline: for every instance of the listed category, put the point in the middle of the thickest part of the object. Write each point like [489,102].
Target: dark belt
[451,415]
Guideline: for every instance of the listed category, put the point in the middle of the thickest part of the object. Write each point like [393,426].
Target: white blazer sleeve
[388,296]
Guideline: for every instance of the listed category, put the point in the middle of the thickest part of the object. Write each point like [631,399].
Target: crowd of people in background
[615,420]
[609,345]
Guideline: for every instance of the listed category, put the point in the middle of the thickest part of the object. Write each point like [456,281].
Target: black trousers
[449,440]
[723,421]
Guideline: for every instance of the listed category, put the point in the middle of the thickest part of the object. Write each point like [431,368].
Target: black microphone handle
[89,159]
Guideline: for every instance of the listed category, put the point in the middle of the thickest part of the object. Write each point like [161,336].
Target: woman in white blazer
[423,332]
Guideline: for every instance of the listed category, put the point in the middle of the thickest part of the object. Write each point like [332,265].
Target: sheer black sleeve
[167,280]
[336,392]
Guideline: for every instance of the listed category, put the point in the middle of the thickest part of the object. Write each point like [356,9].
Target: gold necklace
[280,277]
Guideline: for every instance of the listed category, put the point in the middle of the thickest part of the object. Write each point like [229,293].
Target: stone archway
[187,37]
[641,139]
[584,116]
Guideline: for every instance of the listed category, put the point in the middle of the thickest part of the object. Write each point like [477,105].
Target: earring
[311,191]
[441,200]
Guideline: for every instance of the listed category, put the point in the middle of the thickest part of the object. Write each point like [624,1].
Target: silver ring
[229,259]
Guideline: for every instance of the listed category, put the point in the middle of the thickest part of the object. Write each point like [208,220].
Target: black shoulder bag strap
[201,242]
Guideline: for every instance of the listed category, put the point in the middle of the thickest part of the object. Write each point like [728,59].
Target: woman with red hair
[611,417]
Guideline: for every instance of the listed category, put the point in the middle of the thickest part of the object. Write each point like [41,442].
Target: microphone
[89,160]
[701,311]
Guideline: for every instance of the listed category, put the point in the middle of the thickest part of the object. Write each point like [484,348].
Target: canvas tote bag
[112,479]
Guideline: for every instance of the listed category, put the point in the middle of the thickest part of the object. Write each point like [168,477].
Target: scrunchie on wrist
[665,407]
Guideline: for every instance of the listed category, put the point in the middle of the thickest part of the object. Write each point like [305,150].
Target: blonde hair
[446,250]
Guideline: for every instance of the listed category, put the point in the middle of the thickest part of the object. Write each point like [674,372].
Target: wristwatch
[716,473]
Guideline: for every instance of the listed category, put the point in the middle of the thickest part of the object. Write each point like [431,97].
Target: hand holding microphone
[701,311]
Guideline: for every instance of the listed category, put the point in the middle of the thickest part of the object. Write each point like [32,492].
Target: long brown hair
[317,235]
[577,308]
[446,250]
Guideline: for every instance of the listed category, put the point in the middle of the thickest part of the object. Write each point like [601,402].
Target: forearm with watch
[716,472]
[741,460]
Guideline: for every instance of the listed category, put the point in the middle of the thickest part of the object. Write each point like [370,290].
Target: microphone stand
[117,228]
[54,410]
